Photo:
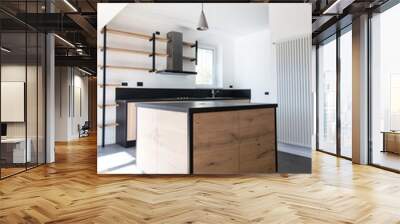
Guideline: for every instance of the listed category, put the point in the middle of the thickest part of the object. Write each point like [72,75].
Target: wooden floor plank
[70,191]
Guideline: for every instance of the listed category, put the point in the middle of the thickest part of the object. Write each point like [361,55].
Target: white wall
[66,121]
[255,59]
[288,21]
[107,11]
[33,126]
[61,103]
[253,66]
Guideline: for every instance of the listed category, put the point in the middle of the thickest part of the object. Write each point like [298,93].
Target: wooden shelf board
[141,52]
[125,67]
[137,35]
[131,51]
[143,36]
[187,44]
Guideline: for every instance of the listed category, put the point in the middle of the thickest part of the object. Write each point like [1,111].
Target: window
[327,97]
[22,87]
[205,67]
[335,94]
[385,89]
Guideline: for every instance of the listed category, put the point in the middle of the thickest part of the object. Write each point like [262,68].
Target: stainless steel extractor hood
[175,55]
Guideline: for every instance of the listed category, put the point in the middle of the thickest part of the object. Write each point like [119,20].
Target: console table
[13,150]
[391,141]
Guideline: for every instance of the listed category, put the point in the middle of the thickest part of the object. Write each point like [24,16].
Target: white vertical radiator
[294,82]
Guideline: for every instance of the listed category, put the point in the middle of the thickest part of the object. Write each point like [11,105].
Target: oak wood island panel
[162,143]
[234,142]
[209,137]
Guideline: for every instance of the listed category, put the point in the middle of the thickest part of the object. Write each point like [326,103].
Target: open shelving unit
[152,54]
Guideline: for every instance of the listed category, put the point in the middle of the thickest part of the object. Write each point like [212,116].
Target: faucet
[214,92]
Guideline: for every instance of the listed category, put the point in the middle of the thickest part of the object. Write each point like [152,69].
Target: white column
[50,108]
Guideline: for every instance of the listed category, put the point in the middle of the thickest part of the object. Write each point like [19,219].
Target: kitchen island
[206,137]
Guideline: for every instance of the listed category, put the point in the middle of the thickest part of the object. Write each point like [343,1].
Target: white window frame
[215,69]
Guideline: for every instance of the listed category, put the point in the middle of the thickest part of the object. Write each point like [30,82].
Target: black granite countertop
[204,106]
[185,99]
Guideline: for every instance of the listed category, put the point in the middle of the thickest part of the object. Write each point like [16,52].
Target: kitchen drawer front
[215,143]
[257,141]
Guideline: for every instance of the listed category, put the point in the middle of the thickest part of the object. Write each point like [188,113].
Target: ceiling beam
[83,23]
[78,61]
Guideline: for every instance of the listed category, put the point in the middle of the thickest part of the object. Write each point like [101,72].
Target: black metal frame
[0,91]
[103,135]
[317,97]
[387,5]
[153,54]
[336,38]
[196,47]
[369,100]
[338,97]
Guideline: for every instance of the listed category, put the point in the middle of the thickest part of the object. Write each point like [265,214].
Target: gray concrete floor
[115,159]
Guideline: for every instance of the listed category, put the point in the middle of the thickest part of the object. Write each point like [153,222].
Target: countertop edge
[206,109]
[180,100]
[231,108]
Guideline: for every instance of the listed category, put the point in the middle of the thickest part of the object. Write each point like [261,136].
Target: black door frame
[335,37]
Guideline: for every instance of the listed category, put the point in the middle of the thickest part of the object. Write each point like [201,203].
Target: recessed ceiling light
[5,50]
[64,40]
[70,5]
[337,7]
[84,71]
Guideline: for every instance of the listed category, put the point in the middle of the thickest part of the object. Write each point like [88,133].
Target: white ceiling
[228,19]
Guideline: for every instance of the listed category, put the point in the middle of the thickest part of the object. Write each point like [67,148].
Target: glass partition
[13,94]
[346,94]
[31,98]
[22,67]
[41,97]
[327,97]
[385,89]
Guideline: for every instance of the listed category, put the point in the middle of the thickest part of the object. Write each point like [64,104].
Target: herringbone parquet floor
[70,191]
